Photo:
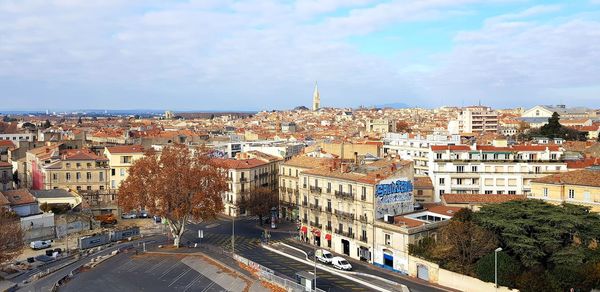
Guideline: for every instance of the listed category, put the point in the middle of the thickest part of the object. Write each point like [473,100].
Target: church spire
[316,98]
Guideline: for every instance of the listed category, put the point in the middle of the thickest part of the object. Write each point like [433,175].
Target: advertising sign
[393,197]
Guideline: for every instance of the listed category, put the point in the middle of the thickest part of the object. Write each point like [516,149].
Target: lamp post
[315,268]
[496,266]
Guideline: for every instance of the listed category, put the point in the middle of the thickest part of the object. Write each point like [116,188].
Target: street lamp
[496,265]
[315,258]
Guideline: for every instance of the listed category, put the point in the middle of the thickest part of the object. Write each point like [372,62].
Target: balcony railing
[315,190]
[363,197]
[243,179]
[305,203]
[328,209]
[344,195]
[316,224]
[305,221]
[363,238]
[289,190]
[328,191]
[328,227]
[315,207]
[344,233]
[344,215]
[362,218]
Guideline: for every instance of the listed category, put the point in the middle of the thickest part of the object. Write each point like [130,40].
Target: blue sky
[254,55]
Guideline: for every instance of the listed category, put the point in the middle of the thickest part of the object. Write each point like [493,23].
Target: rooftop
[125,149]
[19,197]
[479,198]
[238,164]
[583,177]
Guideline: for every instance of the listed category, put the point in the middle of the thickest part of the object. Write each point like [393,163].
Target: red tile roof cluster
[126,149]
[19,197]
[80,154]
[7,143]
[238,164]
[582,177]
[450,147]
[479,198]
[590,161]
[423,182]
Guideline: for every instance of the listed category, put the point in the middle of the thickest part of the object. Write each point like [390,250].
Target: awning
[316,232]
[327,236]
[304,229]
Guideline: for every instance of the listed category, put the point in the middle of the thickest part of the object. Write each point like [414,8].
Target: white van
[324,256]
[40,244]
[341,263]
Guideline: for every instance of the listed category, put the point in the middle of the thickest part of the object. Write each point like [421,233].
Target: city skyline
[259,55]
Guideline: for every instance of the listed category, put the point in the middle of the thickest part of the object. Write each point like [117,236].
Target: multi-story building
[477,119]
[463,169]
[120,159]
[243,175]
[289,186]
[340,204]
[6,176]
[580,187]
[415,147]
[75,169]
[381,126]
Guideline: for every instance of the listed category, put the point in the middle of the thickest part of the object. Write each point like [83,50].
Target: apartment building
[289,186]
[243,175]
[477,119]
[381,126]
[77,169]
[341,203]
[415,147]
[581,187]
[120,159]
[477,169]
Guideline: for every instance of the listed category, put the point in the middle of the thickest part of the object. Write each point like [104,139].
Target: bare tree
[259,202]
[11,235]
[178,185]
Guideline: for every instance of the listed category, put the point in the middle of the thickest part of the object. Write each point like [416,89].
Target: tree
[11,235]
[508,269]
[16,178]
[47,124]
[45,207]
[424,248]
[260,201]
[402,127]
[79,120]
[178,185]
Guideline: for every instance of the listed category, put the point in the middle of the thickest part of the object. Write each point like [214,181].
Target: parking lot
[148,272]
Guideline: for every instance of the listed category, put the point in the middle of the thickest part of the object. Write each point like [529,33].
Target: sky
[262,55]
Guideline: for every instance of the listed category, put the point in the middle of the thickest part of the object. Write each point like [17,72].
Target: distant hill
[393,105]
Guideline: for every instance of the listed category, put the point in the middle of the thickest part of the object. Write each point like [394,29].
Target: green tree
[423,248]
[508,269]
[553,127]
[47,124]
[536,280]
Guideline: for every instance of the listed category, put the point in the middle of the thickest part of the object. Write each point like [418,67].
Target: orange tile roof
[238,164]
[81,154]
[5,164]
[441,209]
[423,182]
[479,198]
[582,177]
[7,143]
[450,147]
[307,162]
[408,222]
[3,201]
[19,197]
[126,149]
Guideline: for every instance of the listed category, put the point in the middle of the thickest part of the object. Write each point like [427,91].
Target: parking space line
[179,277]
[155,266]
[192,282]
[169,270]
[208,287]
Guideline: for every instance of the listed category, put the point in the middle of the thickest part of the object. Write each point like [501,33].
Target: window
[459,181]
[126,159]
[500,192]
[102,188]
[329,187]
[68,165]
[460,168]
[488,192]
[89,188]
[364,193]
[442,192]
[438,156]
[101,176]
[122,170]
[68,176]
[442,181]
[113,172]
[316,183]
[571,194]
[54,177]
[545,192]
[350,189]
[88,176]
[512,192]
[113,184]
[388,239]
[78,165]
[553,156]
[538,169]
[474,168]
[79,188]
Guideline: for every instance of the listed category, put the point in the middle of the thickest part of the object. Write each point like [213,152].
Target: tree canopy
[11,235]
[553,129]
[178,185]
[259,201]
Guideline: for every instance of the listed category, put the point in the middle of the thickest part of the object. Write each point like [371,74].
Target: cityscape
[299,146]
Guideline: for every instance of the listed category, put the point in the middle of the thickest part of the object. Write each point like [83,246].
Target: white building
[477,119]
[416,147]
[491,170]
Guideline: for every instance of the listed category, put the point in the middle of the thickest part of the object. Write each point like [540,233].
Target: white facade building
[416,147]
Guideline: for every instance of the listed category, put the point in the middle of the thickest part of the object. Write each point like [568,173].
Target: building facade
[478,119]
[581,187]
[340,204]
[120,159]
[381,126]
[415,147]
[463,169]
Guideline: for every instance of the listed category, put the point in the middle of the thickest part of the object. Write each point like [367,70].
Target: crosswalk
[242,243]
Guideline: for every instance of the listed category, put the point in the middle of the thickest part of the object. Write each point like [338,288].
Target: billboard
[393,197]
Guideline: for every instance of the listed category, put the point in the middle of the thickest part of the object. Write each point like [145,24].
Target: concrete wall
[451,279]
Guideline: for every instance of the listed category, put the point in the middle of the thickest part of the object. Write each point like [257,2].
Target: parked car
[157,219]
[40,244]
[324,256]
[128,216]
[143,214]
[341,263]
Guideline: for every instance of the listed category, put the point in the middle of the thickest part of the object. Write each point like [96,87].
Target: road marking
[208,287]
[155,266]
[179,277]
[212,225]
[168,270]
[188,286]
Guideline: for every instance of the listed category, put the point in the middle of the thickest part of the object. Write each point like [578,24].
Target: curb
[331,270]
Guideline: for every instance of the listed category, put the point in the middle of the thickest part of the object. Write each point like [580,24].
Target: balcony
[316,224]
[243,179]
[344,215]
[328,191]
[315,207]
[315,190]
[328,209]
[305,221]
[363,238]
[344,195]
[305,203]
[363,197]
[344,233]
[328,227]
[363,219]
[289,190]
[282,189]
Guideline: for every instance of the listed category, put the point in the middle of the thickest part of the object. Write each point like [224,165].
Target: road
[247,244]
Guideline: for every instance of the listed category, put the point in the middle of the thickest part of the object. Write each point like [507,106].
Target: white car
[40,244]
[341,263]
[128,216]
[324,256]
